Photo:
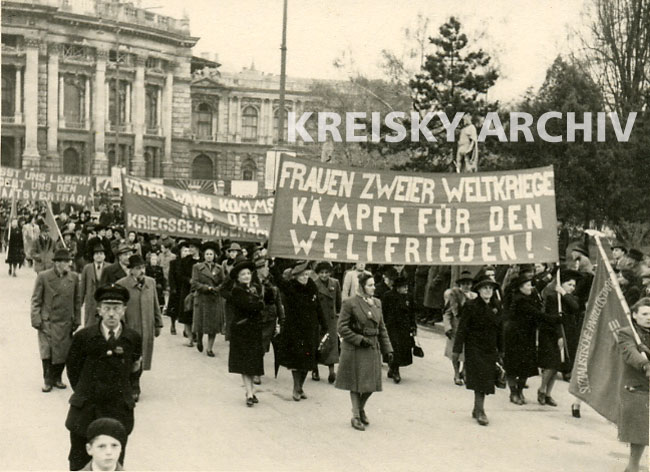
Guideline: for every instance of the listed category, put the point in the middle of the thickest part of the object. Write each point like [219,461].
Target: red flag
[55,232]
[596,375]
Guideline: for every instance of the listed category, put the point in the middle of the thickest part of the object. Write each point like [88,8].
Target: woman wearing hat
[329,297]
[303,322]
[479,337]
[246,351]
[207,276]
[364,339]
[549,350]
[457,297]
[525,310]
[15,248]
[399,318]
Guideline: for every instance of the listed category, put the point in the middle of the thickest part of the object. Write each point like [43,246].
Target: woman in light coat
[364,340]
[456,298]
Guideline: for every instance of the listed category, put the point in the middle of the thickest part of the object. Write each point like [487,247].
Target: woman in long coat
[207,276]
[399,317]
[364,339]
[246,350]
[303,320]
[549,358]
[185,313]
[633,411]
[456,298]
[15,252]
[329,297]
[479,335]
[525,311]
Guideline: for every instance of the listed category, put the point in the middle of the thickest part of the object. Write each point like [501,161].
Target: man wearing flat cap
[55,314]
[142,314]
[93,276]
[100,363]
[120,268]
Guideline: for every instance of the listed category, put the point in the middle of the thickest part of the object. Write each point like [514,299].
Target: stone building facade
[92,84]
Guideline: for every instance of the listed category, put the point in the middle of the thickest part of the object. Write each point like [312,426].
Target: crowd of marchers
[504,324]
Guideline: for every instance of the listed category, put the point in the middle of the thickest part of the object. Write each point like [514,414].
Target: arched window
[202,167]
[203,121]
[71,162]
[248,170]
[249,123]
[276,122]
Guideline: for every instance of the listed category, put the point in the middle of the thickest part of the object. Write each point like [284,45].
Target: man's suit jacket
[88,283]
[114,272]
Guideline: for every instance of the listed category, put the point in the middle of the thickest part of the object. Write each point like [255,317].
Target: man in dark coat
[93,276]
[120,268]
[55,314]
[100,362]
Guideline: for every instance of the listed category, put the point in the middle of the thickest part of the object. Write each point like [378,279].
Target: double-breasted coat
[633,407]
[480,335]
[115,272]
[399,317]
[303,322]
[55,313]
[42,254]
[246,350]
[143,313]
[329,297]
[208,314]
[16,250]
[99,374]
[360,367]
[520,333]
[90,281]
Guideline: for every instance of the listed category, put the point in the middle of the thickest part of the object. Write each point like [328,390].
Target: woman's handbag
[500,381]
[188,303]
[417,349]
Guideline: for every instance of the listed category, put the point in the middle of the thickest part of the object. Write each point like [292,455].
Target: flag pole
[615,284]
[52,221]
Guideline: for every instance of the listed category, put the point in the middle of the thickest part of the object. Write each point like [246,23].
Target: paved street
[192,416]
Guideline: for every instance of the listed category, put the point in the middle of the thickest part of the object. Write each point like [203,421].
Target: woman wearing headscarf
[479,336]
[207,276]
[525,310]
[633,410]
[457,297]
[303,322]
[551,325]
[364,339]
[246,351]
[399,318]
[329,297]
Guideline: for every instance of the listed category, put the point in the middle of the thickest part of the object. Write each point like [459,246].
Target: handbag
[500,381]
[188,303]
[417,349]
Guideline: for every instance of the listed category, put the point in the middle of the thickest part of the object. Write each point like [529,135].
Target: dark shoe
[303,396]
[516,399]
[199,345]
[184,334]
[46,388]
[541,398]
[315,376]
[522,398]
[363,417]
[255,400]
[331,378]
[396,377]
[458,380]
[296,396]
[210,353]
[257,380]
[59,384]
[566,377]
[249,401]
[550,401]
[474,414]
[575,411]
[357,424]
[482,419]
[172,330]
[390,373]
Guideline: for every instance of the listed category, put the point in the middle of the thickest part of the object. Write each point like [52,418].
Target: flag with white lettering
[328,212]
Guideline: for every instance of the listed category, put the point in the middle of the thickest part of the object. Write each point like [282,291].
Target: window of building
[151,108]
[122,102]
[202,167]
[10,40]
[276,121]
[249,123]
[152,162]
[73,101]
[248,170]
[8,91]
[203,121]
[72,162]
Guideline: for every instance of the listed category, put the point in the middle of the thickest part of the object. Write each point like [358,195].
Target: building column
[138,166]
[127,104]
[100,162]
[158,109]
[54,106]
[166,124]
[31,157]
[222,123]
[18,97]
[87,103]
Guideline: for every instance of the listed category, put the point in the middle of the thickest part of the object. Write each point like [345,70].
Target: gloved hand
[365,343]
[390,357]
[449,333]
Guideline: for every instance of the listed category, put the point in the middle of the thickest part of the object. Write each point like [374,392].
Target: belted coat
[208,315]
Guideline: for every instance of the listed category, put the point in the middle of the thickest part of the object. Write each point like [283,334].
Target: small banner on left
[155,208]
[33,185]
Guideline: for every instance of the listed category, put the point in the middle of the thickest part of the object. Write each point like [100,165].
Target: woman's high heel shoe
[575,411]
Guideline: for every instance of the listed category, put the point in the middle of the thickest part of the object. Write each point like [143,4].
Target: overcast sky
[523,36]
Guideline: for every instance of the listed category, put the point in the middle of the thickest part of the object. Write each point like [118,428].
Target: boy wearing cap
[106,438]
[55,314]
[100,362]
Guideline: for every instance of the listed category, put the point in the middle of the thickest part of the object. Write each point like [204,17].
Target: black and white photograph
[289,235]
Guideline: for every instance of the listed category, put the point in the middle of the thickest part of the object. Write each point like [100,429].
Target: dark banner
[155,208]
[43,186]
[327,212]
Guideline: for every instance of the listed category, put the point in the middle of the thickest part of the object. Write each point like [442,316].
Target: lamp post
[283,75]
